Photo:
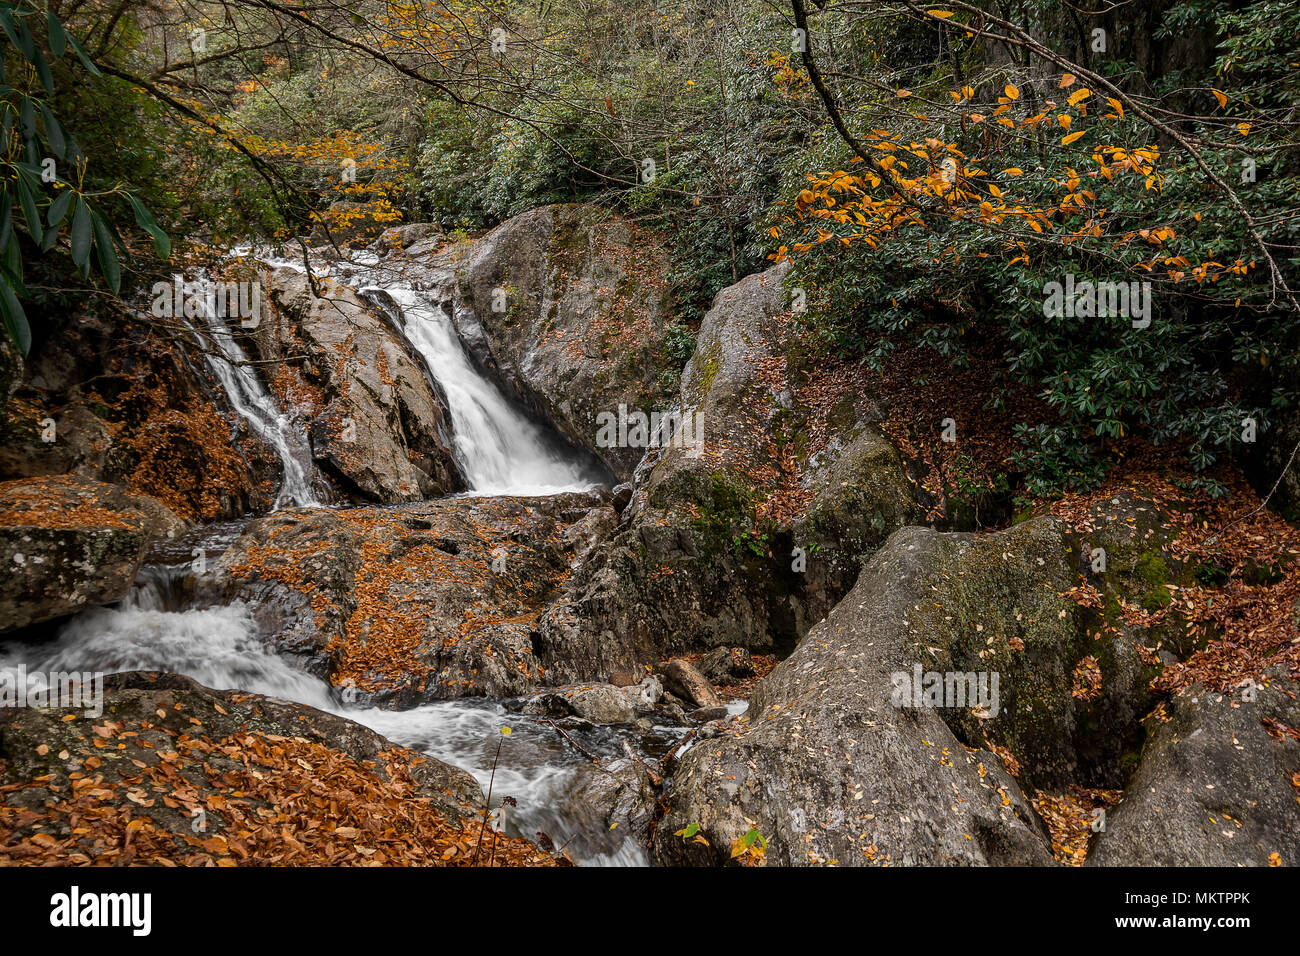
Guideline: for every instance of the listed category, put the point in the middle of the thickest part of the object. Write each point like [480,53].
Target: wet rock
[622,496]
[68,542]
[1216,785]
[618,797]
[377,424]
[644,695]
[682,678]
[424,602]
[598,703]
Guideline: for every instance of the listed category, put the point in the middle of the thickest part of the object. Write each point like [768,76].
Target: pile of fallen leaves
[1071,819]
[1245,610]
[60,501]
[136,792]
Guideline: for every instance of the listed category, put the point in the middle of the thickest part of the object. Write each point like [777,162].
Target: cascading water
[500,450]
[251,400]
[154,628]
[157,626]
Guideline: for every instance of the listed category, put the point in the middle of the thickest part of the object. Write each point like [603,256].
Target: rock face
[746,538]
[431,601]
[112,399]
[195,776]
[619,796]
[569,302]
[69,542]
[1217,786]
[377,424]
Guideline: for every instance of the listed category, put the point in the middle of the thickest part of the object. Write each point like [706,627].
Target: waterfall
[251,400]
[501,451]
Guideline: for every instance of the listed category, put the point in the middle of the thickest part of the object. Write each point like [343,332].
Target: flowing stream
[501,451]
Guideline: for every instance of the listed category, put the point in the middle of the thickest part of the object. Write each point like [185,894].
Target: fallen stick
[576,746]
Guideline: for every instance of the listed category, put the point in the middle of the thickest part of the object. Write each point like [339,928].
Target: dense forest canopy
[932,170]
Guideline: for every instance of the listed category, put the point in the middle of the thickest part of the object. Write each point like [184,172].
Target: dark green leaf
[81,55]
[59,208]
[53,132]
[81,235]
[15,319]
[145,221]
[108,263]
[27,199]
[58,39]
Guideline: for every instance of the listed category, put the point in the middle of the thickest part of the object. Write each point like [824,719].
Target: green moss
[709,367]
[1153,570]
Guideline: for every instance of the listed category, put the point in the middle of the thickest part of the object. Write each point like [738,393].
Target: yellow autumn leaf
[904,93]
[995,191]
[1067,140]
[1243,128]
[1012,92]
[1067,79]
[1221,97]
[940,14]
[1013,171]
[1116,105]
[1064,120]
[1079,95]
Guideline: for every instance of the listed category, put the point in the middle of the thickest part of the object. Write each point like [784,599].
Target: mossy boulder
[705,555]
[69,542]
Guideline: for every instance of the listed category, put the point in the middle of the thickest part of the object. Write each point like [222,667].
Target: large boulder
[430,601]
[569,303]
[68,542]
[378,424]
[171,772]
[826,766]
[1218,785]
[951,647]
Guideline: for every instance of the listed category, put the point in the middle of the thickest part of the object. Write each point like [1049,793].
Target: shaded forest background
[929,168]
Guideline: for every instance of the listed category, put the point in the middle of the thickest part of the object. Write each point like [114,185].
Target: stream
[501,452]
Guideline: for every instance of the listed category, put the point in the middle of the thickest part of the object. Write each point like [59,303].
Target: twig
[576,746]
